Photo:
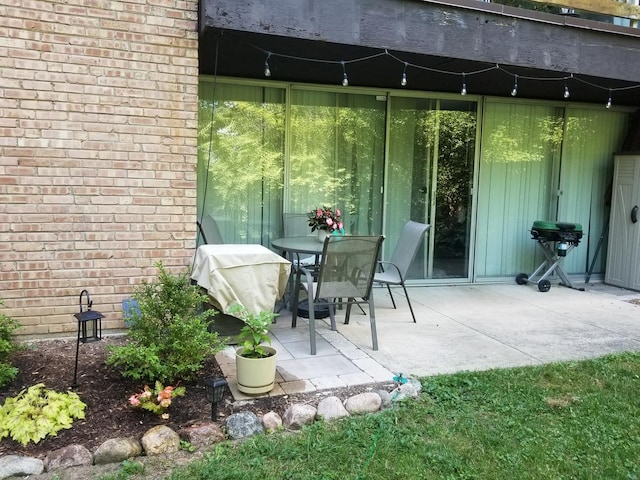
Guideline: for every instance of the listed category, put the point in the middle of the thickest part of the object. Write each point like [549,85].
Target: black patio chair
[401,258]
[347,269]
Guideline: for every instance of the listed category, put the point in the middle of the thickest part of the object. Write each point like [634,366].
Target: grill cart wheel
[521,278]
[544,285]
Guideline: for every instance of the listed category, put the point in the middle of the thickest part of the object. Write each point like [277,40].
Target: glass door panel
[241,160]
[336,157]
[430,180]
[455,130]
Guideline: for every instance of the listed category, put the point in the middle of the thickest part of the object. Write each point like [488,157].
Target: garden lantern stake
[89,328]
[215,389]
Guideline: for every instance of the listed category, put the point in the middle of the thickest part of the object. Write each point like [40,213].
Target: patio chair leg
[372,318]
[332,317]
[391,295]
[348,311]
[294,305]
[409,302]
[312,326]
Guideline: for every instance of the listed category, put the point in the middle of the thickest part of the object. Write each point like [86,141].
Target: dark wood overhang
[446,38]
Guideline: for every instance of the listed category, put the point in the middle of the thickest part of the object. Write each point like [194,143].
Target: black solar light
[89,328]
[215,389]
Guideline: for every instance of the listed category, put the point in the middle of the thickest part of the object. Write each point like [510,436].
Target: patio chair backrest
[348,266]
[208,229]
[295,224]
[405,250]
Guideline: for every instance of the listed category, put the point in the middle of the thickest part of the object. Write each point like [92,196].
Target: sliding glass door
[430,180]
[384,158]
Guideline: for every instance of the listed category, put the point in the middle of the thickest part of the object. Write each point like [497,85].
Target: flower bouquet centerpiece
[326,221]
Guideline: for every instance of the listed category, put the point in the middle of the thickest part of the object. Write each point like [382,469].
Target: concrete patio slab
[466,327]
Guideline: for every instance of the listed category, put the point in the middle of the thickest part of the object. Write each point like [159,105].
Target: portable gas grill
[556,240]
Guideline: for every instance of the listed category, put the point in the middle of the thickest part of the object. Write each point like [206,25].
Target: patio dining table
[247,274]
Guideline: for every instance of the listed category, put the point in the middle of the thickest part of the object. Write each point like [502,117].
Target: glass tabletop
[306,244]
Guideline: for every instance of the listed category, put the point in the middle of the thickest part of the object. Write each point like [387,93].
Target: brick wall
[98,126]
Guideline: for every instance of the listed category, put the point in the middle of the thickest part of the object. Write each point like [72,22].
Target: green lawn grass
[573,420]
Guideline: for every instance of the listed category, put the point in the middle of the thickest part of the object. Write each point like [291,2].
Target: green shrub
[168,337]
[36,412]
[8,345]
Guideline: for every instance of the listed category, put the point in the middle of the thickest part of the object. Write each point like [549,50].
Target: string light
[345,80]
[267,70]
[566,93]
[463,91]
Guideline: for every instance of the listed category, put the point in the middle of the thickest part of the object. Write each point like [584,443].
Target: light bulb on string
[514,90]
[267,70]
[566,93]
[403,82]
[609,103]
[345,80]
[463,91]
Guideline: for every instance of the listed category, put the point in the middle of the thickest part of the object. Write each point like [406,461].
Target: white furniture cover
[250,275]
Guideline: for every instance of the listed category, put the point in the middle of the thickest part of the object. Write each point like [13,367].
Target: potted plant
[255,359]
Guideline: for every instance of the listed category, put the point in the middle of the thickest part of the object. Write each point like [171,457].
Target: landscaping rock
[298,415]
[243,424]
[160,439]
[20,465]
[272,422]
[367,402]
[404,391]
[202,434]
[331,408]
[116,450]
[69,456]
[416,383]
[385,397]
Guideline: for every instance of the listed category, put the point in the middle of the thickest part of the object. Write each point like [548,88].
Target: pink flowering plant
[327,219]
[156,400]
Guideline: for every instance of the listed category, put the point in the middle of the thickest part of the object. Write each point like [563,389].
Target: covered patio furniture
[347,267]
[246,274]
[403,254]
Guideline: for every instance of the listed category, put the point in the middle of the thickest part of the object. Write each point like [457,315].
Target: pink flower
[329,222]
[338,214]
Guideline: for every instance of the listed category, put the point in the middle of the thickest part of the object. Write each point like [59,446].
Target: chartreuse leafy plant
[169,337]
[37,412]
[8,345]
[255,332]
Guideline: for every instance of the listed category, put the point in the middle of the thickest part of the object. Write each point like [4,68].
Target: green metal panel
[518,148]
[591,138]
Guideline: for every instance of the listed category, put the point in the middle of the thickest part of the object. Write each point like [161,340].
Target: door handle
[634,214]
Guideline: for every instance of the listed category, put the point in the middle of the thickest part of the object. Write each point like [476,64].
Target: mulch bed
[105,391]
